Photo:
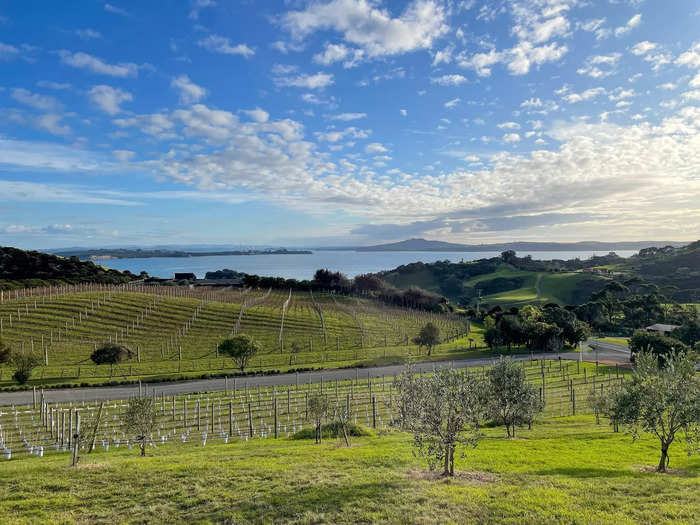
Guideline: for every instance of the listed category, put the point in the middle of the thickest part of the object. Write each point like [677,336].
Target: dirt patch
[464,477]
[669,471]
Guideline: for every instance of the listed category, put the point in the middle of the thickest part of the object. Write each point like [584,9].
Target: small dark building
[185,276]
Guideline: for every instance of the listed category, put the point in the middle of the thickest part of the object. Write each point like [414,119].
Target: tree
[510,398]
[318,410]
[688,332]
[654,343]
[663,400]
[110,353]
[140,420]
[241,348]
[24,364]
[428,337]
[5,352]
[442,411]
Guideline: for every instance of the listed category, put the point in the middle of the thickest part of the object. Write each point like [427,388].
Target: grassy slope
[563,471]
[554,287]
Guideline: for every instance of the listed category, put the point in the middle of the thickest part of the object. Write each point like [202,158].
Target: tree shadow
[588,472]
[322,498]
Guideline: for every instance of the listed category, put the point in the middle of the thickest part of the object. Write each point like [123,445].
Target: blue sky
[348,121]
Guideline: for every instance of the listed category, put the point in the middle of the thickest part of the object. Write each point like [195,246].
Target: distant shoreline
[106,255]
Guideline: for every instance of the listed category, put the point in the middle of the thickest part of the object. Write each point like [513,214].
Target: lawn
[565,470]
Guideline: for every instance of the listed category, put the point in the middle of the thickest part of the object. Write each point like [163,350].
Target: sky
[337,122]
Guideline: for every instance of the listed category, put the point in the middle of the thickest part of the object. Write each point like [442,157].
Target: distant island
[104,254]
[423,245]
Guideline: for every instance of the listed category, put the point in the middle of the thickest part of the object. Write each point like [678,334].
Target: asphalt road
[606,352]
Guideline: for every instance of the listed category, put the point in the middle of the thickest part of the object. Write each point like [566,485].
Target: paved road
[606,352]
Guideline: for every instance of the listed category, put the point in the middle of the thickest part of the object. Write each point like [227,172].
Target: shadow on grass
[315,500]
[588,472]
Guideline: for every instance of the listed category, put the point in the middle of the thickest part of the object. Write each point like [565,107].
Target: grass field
[174,331]
[565,470]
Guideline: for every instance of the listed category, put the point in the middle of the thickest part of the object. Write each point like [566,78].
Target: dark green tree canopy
[428,337]
[241,348]
[110,354]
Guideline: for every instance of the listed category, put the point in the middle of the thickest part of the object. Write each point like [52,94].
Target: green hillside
[20,269]
[176,330]
[500,283]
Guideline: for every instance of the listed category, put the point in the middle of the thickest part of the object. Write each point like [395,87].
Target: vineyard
[176,331]
[243,413]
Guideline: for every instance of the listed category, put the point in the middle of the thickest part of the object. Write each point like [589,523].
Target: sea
[303,266]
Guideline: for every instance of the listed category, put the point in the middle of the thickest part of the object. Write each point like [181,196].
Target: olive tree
[428,337]
[442,411]
[511,400]
[140,420]
[111,354]
[660,399]
[318,410]
[241,348]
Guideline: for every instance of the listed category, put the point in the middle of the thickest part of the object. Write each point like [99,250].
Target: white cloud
[588,94]
[258,114]
[371,28]
[108,99]
[452,103]
[600,66]
[317,81]
[511,137]
[156,125]
[123,155]
[220,44]
[531,103]
[8,52]
[198,5]
[375,147]
[642,48]
[53,85]
[337,53]
[349,116]
[695,81]
[449,80]
[34,100]
[97,65]
[189,91]
[443,56]
[509,125]
[116,10]
[88,34]
[690,58]
[403,112]
[631,24]
[337,135]
[51,122]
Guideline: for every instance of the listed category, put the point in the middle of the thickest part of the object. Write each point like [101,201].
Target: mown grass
[624,341]
[565,470]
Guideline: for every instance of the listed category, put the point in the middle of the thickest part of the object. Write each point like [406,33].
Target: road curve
[606,352]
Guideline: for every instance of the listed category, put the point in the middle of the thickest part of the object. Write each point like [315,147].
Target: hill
[675,268]
[174,331]
[495,281]
[20,268]
[423,245]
